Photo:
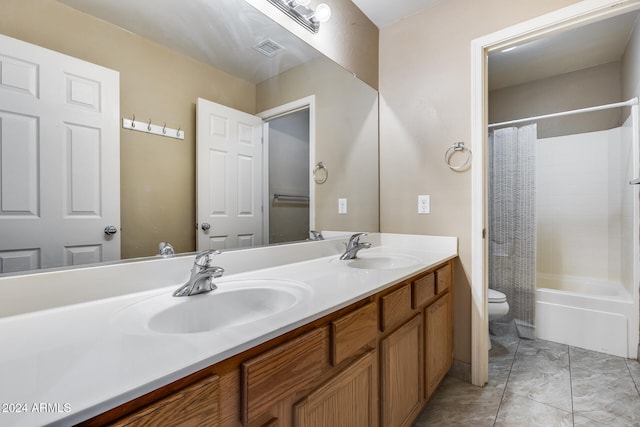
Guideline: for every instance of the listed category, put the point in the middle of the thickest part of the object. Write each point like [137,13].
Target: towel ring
[457,146]
[320,173]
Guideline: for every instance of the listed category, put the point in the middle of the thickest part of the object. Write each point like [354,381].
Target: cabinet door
[401,374]
[277,374]
[439,342]
[196,405]
[348,399]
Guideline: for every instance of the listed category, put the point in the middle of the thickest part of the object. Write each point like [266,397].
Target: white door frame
[282,110]
[579,14]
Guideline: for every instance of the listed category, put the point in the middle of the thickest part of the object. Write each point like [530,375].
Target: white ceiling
[385,12]
[221,33]
[595,44]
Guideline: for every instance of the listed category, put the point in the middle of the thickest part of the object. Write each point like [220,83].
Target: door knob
[205,226]
[110,230]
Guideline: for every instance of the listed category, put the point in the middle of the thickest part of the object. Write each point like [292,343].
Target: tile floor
[540,383]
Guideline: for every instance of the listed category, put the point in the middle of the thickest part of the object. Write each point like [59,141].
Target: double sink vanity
[291,335]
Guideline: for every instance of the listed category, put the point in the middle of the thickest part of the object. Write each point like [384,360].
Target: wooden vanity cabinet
[415,357]
[373,363]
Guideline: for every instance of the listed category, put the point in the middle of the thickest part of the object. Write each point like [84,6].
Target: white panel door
[59,159]
[229,170]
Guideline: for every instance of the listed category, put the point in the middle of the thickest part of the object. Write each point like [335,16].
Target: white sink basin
[234,303]
[382,262]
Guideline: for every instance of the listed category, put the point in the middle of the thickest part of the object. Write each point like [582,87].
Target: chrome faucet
[354,246]
[166,249]
[202,275]
[315,235]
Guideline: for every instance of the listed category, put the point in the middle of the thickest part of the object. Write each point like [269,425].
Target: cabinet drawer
[198,404]
[352,332]
[395,307]
[443,278]
[280,372]
[424,289]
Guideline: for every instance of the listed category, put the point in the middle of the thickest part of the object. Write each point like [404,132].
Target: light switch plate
[342,206]
[424,204]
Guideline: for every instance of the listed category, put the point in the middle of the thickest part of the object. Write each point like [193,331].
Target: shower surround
[587,214]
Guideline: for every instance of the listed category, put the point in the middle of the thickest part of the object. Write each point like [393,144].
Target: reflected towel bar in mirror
[290,197]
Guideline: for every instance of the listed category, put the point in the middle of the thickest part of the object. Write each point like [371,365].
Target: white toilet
[497,307]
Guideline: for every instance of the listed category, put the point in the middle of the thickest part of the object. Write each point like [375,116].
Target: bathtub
[586,313]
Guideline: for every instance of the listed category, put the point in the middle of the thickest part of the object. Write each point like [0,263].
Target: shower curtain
[512,222]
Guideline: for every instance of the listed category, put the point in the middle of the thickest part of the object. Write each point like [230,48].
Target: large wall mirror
[168,55]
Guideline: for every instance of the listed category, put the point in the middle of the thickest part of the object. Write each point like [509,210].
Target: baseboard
[460,370]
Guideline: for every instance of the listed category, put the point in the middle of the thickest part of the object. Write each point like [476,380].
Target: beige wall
[425,64]
[157,174]
[592,86]
[349,38]
[346,139]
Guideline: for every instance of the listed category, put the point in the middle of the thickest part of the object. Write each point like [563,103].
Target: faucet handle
[204,258]
[356,237]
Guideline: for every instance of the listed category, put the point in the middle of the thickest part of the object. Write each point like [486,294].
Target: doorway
[552,23]
[288,176]
[289,155]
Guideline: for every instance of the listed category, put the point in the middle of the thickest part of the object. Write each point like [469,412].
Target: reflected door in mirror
[229,171]
[59,159]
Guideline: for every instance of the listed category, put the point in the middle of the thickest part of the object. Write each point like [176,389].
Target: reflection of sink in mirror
[382,262]
[234,303]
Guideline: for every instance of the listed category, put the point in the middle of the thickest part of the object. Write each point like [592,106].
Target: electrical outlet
[342,206]
[424,204]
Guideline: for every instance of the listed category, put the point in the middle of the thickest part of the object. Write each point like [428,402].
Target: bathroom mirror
[168,54]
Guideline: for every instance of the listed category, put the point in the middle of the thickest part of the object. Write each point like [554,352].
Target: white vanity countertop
[71,361]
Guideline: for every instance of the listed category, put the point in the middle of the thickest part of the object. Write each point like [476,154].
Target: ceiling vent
[268,47]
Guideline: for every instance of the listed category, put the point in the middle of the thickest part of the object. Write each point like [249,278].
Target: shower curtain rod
[632,101]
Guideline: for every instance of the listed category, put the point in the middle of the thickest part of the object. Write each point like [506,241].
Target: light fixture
[304,15]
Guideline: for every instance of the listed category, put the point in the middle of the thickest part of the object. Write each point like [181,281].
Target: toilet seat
[496,296]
